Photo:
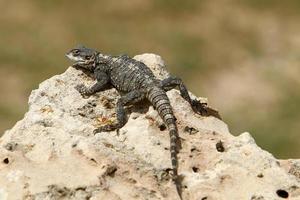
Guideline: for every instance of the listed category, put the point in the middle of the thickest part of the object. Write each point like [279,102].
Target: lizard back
[128,74]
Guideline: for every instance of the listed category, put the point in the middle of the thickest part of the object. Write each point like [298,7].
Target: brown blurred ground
[243,55]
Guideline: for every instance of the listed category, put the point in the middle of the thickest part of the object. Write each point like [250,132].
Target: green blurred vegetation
[242,55]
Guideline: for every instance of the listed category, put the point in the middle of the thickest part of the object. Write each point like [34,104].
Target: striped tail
[161,102]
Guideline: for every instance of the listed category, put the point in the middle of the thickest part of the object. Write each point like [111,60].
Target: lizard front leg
[130,98]
[198,107]
[101,84]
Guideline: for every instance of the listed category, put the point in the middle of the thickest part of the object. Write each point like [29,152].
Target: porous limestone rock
[53,154]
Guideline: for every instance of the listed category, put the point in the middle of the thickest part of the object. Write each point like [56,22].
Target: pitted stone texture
[53,154]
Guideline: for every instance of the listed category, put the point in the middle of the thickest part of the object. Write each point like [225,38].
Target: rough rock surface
[52,153]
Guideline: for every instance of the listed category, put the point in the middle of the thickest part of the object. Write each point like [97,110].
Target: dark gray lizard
[138,82]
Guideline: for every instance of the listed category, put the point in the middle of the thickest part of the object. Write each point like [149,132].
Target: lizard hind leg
[130,98]
[198,107]
[172,82]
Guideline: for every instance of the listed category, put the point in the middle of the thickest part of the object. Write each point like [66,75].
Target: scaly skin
[137,81]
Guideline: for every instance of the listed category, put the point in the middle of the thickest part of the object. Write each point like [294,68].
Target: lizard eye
[76,51]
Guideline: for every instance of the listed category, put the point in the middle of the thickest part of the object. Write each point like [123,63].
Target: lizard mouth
[77,60]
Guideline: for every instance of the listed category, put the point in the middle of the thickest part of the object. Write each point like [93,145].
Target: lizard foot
[82,89]
[199,107]
[107,128]
[204,110]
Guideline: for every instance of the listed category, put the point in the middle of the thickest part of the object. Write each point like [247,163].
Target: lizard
[137,82]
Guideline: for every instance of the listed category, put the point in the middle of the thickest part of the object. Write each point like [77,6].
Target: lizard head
[83,57]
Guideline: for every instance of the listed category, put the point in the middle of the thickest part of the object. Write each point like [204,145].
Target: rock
[53,154]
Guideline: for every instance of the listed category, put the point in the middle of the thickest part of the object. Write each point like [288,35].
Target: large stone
[53,154]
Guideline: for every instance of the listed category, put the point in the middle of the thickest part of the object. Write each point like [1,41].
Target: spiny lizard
[138,82]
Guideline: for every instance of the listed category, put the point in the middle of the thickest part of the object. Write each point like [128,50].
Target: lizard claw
[106,128]
[199,107]
[97,130]
[204,110]
[82,89]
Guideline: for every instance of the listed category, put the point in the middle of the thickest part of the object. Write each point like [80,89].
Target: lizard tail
[161,102]
[173,148]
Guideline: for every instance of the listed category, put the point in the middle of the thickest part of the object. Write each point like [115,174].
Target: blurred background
[243,55]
